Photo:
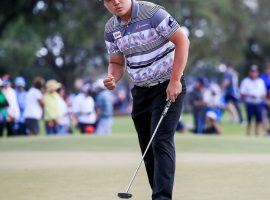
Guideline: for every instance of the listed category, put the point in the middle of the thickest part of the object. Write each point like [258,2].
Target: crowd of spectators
[209,100]
[90,110]
[22,111]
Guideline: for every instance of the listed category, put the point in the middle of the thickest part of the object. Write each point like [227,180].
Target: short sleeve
[38,95]
[164,23]
[243,87]
[111,45]
[264,91]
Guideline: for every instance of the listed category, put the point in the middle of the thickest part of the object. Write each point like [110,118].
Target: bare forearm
[181,43]
[180,58]
[116,71]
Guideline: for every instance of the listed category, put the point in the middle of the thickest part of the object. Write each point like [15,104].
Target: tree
[63,39]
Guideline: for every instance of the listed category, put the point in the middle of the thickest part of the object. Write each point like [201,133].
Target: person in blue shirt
[104,105]
[266,79]
[19,126]
[231,92]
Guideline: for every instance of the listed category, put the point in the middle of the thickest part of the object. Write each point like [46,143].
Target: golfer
[145,39]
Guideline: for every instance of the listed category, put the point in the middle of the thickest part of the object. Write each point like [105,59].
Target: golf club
[127,195]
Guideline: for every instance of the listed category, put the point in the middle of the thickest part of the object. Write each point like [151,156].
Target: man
[231,92]
[149,41]
[13,111]
[266,105]
[33,106]
[104,106]
[84,110]
[253,92]
[198,104]
[20,126]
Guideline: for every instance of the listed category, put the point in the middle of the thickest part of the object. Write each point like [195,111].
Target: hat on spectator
[19,81]
[203,81]
[212,115]
[53,85]
[254,68]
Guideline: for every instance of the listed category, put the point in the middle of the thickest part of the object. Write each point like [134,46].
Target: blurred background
[52,61]
[63,40]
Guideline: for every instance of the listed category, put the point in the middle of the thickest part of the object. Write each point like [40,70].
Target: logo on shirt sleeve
[117,35]
[171,20]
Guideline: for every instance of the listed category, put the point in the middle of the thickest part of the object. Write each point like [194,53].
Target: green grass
[226,167]
[186,144]
[124,125]
[124,138]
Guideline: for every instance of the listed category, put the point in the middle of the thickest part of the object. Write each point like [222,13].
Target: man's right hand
[109,82]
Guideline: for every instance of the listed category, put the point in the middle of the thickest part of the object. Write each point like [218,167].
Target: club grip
[167,106]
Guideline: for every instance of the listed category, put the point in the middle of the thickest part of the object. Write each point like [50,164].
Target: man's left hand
[173,90]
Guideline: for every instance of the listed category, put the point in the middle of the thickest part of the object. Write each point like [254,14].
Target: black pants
[10,128]
[148,104]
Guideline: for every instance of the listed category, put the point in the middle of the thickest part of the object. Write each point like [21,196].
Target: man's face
[254,74]
[118,7]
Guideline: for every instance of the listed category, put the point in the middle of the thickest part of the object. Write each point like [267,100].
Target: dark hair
[229,64]
[38,82]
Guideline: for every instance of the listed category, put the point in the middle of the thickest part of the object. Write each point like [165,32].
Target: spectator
[212,125]
[84,110]
[64,119]
[231,92]
[104,104]
[253,92]
[13,111]
[266,111]
[198,105]
[3,109]
[52,110]
[214,101]
[20,126]
[33,106]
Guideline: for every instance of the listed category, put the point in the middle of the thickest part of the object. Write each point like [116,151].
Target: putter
[127,195]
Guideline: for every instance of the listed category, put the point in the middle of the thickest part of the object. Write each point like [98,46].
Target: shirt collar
[134,12]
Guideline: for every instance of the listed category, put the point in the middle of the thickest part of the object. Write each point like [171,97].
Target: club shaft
[149,144]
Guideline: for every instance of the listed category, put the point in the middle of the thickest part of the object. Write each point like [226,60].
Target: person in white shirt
[13,111]
[253,92]
[84,110]
[33,106]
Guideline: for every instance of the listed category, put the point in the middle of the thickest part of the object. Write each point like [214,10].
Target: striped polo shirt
[144,42]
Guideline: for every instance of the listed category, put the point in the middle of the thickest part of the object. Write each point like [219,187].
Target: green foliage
[219,30]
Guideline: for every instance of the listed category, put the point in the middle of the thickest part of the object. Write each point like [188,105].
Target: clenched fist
[109,82]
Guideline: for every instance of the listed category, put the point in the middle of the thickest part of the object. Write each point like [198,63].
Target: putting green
[99,176]
[97,168]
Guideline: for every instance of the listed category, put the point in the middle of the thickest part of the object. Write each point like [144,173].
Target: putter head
[124,195]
